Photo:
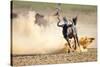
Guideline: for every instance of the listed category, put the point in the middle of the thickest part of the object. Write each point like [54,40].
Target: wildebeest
[69,31]
[45,20]
[40,20]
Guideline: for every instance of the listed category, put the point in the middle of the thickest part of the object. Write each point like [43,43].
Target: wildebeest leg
[68,44]
[77,41]
[74,42]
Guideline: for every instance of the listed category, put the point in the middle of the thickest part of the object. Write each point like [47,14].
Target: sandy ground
[74,57]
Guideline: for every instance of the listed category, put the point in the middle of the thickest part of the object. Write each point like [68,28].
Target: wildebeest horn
[39,15]
[74,20]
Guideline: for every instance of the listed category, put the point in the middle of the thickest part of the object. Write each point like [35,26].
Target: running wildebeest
[69,31]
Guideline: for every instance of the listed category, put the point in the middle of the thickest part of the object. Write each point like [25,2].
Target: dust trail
[29,38]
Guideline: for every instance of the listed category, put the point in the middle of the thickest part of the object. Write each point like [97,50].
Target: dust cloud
[30,38]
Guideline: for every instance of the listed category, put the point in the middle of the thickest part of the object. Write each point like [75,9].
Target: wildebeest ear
[74,20]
